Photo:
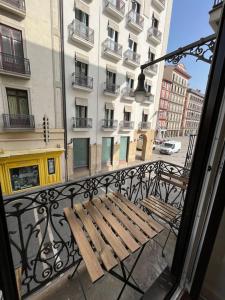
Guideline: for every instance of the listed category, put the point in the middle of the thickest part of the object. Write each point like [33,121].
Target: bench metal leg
[164,246]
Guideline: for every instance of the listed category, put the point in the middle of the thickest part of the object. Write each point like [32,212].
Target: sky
[189,23]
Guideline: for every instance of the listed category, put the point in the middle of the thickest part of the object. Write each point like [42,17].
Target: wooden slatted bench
[107,230]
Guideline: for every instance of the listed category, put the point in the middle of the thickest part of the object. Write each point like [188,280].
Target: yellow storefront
[25,170]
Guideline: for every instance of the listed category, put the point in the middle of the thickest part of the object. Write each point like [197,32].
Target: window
[17,102]
[82,16]
[112,34]
[151,56]
[51,166]
[81,69]
[155,22]
[81,111]
[24,177]
[110,80]
[127,116]
[11,41]
[132,45]
[136,7]
[109,114]
[144,117]
[148,88]
[130,82]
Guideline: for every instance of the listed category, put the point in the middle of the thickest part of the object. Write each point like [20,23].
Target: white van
[170,147]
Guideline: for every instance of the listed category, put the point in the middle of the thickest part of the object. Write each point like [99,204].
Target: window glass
[24,177]
[51,166]
[17,102]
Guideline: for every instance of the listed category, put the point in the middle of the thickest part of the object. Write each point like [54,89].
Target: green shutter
[107,144]
[123,147]
[80,152]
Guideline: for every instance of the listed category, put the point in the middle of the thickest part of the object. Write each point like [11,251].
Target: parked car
[170,147]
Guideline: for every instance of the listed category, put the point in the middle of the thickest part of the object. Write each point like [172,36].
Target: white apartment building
[30,90]
[105,43]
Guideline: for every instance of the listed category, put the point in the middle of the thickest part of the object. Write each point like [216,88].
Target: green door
[80,153]
[124,140]
[107,144]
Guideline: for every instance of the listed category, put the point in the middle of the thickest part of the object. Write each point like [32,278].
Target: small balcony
[132,58]
[215,14]
[111,89]
[149,99]
[16,7]
[128,94]
[126,125]
[82,124]
[144,126]
[154,36]
[112,49]
[83,83]
[109,125]
[14,65]
[18,122]
[115,8]
[135,21]
[82,34]
[159,4]
[151,70]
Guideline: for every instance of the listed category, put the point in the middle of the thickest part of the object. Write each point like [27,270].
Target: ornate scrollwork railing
[40,238]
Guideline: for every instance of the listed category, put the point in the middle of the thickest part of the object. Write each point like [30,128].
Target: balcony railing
[135,18]
[111,124]
[83,81]
[128,92]
[110,45]
[82,123]
[133,56]
[119,5]
[149,98]
[111,88]
[11,121]
[81,30]
[153,31]
[145,125]
[127,124]
[152,69]
[15,64]
[19,4]
[217,2]
[44,258]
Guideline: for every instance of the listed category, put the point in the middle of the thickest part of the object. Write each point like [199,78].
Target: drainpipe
[63,86]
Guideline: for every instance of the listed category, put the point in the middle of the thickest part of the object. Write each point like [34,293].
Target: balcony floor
[149,267]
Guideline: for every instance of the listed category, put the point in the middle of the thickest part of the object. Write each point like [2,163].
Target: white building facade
[105,43]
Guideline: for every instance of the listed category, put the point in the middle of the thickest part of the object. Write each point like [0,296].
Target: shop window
[51,166]
[24,177]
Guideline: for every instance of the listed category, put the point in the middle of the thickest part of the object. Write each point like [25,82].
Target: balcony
[128,94]
[154,36]
[135,21]
[16,7]
[14,66]
[126,125]
[81,34]
[159,4]
[151,70]
[111,89]
[82,124]
[132,58]
[83,83]
[144,126]
[109,125]
[18,122]
[112,49]
[215,14]
[45,249]
[149,99]
[115,8]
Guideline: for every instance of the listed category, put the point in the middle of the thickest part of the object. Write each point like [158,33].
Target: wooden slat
[104,250]
[119,229]
[183,187]
[109,235]
[179,178]
[155,225]
[134,230]
[93,266]
[171,210]
[161,207]
[156,211]
[135,218]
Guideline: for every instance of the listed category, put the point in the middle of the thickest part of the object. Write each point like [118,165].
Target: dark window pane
[24,177]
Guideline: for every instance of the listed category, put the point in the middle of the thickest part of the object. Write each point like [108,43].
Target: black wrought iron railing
[111,88]
[132,55]
[15,64]
[127,124]
[153,31]
[81,30]
[82,123]
[190,150]
[20,4]
[127,92]
[12,121]
[136,18]
[119,5]
[144,125]
[110,45]
[40,237]
[108,123]
[81,80]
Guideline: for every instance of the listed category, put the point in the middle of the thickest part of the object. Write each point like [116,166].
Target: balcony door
[132,45]
[107,150]
[151,56]
[130,82]
[124,142]
[136,7]
[81,71]
[11,48]
[155,22]
[81,116]
[110,81]
[109,117]
[82,17]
